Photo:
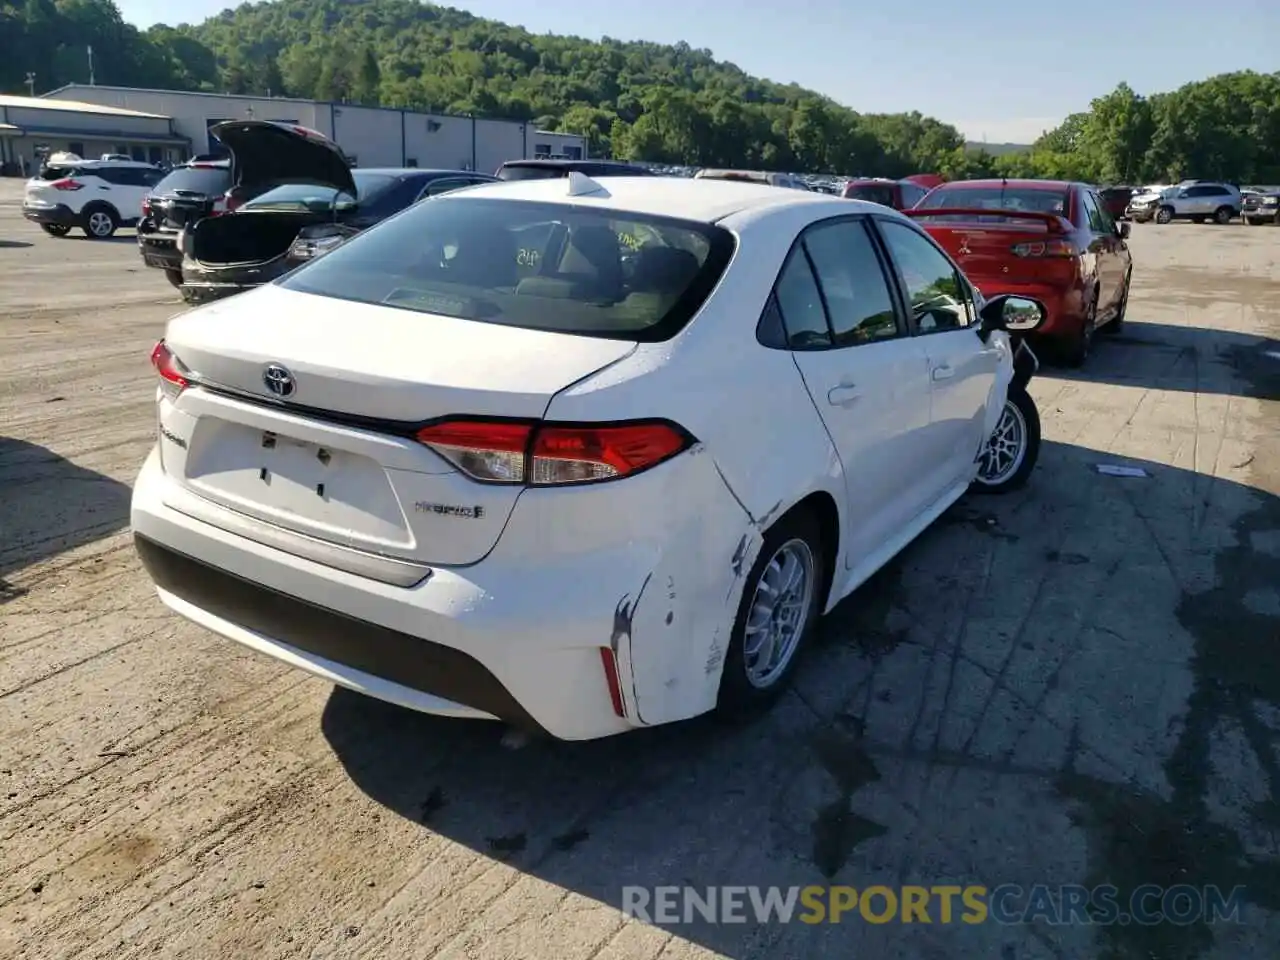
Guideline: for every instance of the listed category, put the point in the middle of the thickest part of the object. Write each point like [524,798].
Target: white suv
[98,196]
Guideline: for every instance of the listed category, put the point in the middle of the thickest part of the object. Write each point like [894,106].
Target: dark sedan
[289,224]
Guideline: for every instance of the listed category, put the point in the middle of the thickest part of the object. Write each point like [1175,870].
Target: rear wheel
[1164,215]
[1223,215]
[1081,345]
[780,605]
[55,229]
[99,222]
[1013,447]
[1117,322]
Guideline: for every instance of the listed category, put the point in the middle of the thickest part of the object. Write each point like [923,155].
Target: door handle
[943,373]
[843,395]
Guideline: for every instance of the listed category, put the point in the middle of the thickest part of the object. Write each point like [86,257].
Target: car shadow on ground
[14,244]
[1171,357]
[1085,648]
[49,505]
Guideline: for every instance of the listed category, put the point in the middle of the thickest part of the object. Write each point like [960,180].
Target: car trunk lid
[333,457]
[995,246]
[266,151]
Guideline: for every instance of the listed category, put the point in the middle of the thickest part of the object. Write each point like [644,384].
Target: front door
[867,376]
[962,369]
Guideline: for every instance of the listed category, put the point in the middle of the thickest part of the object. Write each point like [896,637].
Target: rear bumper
[159,248]
[59,215]
[489,641]
[352,652]
[206,282]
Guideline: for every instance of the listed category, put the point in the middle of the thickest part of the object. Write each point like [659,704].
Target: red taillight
[610,664]
[146,207]
[1046,248]
[230,201]
[67,184]
[550,454]
[168,366]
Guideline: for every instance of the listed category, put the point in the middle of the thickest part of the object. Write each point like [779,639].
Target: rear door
[962,369]
[867,377]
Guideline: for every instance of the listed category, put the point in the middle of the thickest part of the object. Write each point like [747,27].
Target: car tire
[1223,215]
[99,221]
[746,685]
[55,229]
[1164,215]
[1080,346]
[174,277]
[1013,448]
[1116,324]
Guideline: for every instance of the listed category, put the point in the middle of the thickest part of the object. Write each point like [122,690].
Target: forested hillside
[633,99]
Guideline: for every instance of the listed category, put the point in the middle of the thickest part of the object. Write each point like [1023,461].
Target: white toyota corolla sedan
[582,456]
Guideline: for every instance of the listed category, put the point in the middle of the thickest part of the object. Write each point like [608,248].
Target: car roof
[556,164]
[421,171]
[996,183]
[687,198]
[101,163]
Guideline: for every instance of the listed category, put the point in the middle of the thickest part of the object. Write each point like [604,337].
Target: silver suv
[1194,200]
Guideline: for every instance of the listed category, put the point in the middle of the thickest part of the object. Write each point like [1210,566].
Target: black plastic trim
[422,665]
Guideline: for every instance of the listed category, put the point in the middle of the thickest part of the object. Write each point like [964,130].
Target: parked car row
[587,455]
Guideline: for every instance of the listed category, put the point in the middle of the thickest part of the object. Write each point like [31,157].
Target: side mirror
[1011,313]
[1122,229]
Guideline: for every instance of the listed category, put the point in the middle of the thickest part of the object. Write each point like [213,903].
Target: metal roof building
[373,136]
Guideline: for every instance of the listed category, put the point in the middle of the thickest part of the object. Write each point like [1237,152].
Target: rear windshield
[310,196]
[871,192]
[600,273]
[532,173]
[1035,200]
[209,181]
[58,172]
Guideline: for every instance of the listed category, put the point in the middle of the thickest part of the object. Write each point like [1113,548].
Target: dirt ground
[1079,683]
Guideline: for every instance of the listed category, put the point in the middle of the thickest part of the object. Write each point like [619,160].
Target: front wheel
[781,602]
[99,223]
[1013,447]
[1164,215]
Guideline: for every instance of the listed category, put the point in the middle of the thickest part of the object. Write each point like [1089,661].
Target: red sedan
[1047,239]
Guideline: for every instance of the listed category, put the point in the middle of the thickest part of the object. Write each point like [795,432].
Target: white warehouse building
[371,136]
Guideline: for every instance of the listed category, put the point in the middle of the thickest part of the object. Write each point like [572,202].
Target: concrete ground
[1079,683]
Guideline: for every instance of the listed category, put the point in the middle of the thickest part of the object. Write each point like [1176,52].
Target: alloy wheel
[779,613]
[1006,447]
[101,224]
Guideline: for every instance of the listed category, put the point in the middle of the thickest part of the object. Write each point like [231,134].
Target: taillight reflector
[1046,248]
[168,366]
[230,201]
[610,664]
[553,454]
[67,184]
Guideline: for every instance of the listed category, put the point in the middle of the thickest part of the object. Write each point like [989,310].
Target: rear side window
[58,173]
[853,283]
[542,266]
[531,173]
[871,192]
[1035,200]
[209,181]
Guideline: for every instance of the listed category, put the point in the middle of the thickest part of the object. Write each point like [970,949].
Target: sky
[1003,71]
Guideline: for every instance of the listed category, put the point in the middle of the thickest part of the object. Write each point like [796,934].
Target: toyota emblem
[278,380]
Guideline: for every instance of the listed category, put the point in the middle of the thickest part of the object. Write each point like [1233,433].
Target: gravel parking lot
[1079,683]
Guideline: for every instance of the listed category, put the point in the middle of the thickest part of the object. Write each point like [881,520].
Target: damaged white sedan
[582,456]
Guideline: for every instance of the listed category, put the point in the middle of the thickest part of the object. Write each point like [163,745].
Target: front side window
[542,266]
[853,284]
[938,296]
